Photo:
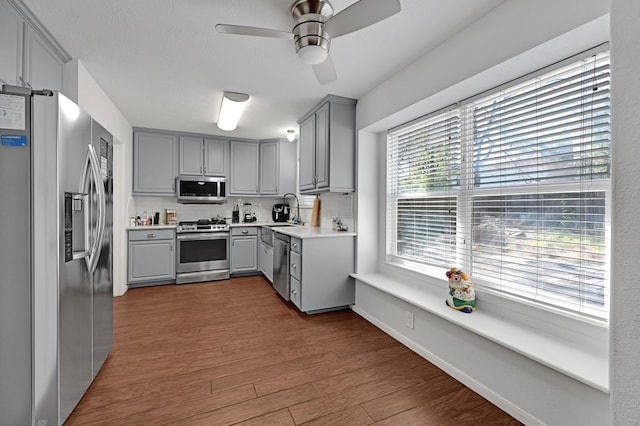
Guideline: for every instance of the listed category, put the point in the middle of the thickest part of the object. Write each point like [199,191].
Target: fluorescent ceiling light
[291,135]
[231,110]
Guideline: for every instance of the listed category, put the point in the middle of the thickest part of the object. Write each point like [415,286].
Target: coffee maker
[280,212]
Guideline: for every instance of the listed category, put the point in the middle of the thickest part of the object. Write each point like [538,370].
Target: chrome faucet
[297,205]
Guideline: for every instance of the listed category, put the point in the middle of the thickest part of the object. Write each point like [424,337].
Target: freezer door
[15,263]
[103,275]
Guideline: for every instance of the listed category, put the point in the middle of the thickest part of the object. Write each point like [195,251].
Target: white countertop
[290,230]
[142,228]
[308,232]
[236,225]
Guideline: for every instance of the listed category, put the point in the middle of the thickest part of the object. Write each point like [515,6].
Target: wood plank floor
[232,352]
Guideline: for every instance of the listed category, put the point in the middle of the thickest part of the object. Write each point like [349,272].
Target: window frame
[465,200]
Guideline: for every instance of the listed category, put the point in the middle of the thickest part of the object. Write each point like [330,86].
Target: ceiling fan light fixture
[231,110]
[291,135]
[312,54]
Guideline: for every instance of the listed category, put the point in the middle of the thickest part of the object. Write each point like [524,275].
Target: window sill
[552,351]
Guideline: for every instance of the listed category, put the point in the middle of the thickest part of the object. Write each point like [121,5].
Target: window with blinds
[513,187]
[423,169]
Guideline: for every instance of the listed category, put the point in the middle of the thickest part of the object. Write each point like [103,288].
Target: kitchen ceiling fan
[315,26]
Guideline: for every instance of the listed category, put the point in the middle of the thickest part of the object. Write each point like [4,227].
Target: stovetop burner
[215,224]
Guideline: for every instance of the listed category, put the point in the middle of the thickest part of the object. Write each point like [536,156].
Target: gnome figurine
[462,296]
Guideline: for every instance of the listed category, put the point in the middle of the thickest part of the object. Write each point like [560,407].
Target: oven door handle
[202,236]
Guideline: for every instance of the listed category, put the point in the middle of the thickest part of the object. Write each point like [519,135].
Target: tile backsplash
[331,205]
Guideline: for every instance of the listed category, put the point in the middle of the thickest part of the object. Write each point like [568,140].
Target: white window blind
[528,205]
[423,170]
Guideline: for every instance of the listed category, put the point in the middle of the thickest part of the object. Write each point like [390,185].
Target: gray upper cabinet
[10,45]
[43,68]
[216,157]
[191,152]
[198,156]
[155,160]
[277,167]
[327,147]
[30,56]
[244,179]
[307,143]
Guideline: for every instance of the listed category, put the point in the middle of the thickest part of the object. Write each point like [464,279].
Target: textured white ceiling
[165,66]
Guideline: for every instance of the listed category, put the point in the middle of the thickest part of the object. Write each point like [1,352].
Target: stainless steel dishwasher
[281,281]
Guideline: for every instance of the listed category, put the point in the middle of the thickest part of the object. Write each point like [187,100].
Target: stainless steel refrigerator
[56,287]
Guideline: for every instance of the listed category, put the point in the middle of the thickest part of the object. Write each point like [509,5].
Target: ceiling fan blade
[359,15]
[253,31]
[325,71]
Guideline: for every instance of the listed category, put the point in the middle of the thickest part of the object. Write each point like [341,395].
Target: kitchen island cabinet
[319,271]
[152,257]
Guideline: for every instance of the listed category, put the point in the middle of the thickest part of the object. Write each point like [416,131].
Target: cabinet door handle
[151,235]
[294,292]
[257,189]
[170,247]
[205,169]
[294,245]
[293,266]
[245,231]
[200,169]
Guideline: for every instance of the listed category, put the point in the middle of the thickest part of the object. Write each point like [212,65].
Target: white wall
[517,37]
[625,294]
[79,84]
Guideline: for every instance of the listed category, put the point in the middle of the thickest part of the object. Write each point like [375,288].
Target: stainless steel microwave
[201,189]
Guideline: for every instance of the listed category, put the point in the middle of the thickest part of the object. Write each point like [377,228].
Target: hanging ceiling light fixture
[291,135]
[231,110]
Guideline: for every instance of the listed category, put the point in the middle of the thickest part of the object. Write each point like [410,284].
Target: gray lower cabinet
[327,147]
[265,260]
[319,271]
[244,250]
[152,257]
[155,160]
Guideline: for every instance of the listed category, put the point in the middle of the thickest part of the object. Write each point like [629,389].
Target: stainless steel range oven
[203,251]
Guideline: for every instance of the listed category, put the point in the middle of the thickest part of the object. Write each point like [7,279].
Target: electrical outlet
[409,320]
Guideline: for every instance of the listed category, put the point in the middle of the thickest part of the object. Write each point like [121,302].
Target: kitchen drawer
[296,245]
[244,231]
[295,265]
[151,234]
[296,293]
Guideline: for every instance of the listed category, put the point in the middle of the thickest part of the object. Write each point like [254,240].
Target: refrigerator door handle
[92,166]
